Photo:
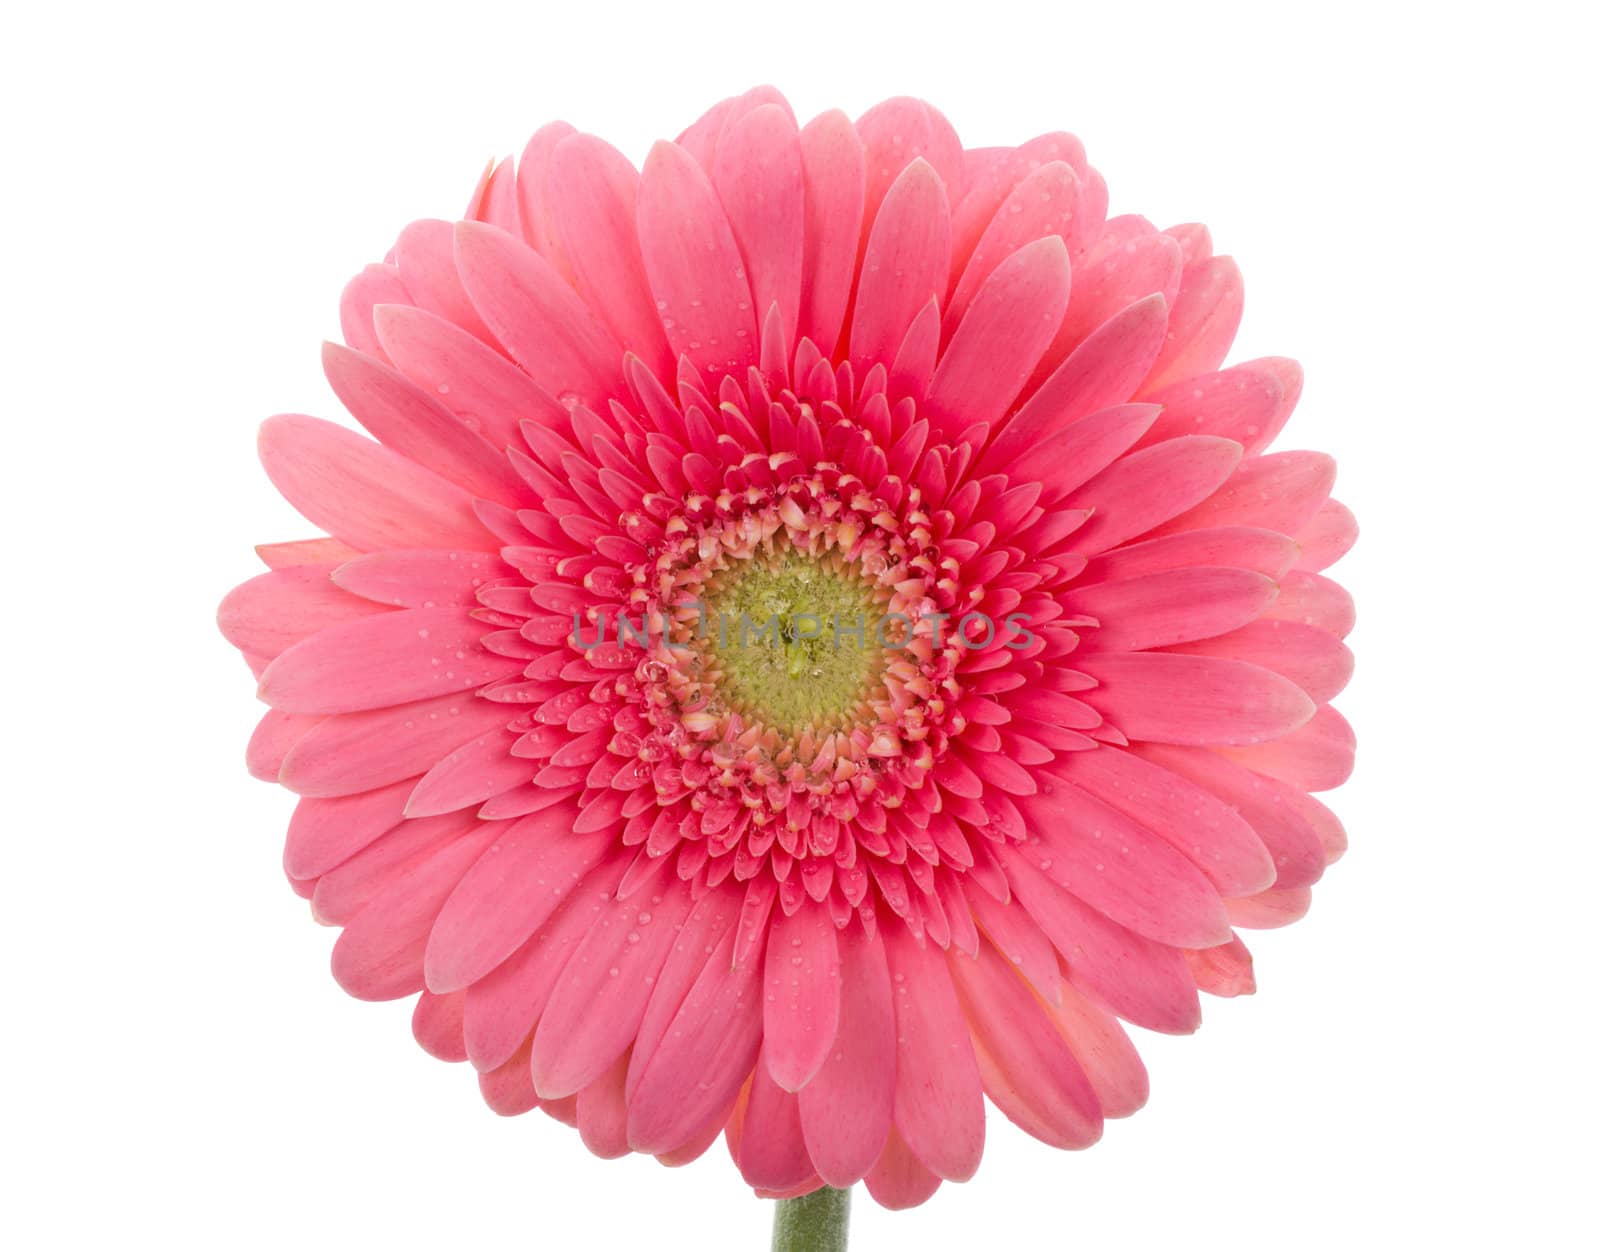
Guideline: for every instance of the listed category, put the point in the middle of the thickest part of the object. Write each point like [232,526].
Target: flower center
[794,641]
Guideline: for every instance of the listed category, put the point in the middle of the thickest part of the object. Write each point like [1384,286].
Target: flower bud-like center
[795,641]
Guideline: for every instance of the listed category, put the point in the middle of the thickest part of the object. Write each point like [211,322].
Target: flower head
[814,639]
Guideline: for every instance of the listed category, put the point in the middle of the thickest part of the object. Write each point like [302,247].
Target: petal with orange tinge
[1109,1060]
[1028,1069]
[899,1180]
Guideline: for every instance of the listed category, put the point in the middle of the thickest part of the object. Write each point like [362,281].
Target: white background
[1410,193]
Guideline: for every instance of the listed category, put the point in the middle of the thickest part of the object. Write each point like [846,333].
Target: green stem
[819,1222]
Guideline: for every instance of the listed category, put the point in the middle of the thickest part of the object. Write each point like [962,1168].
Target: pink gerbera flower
[814,640]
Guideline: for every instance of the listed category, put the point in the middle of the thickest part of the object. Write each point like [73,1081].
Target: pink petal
[1205,317]
[379,955]
[696,273]
[1113,864]
[485,391]
[847,1109]
[324,833]
[387,659]
[1071,455]
[508,1090]
[1109,1060]
[759,178]
[1281,491]
[1142,490]
[1226,971]
[990,175]
[345,890]
[1271,909]
[425,255]
[535,188]
[592,196]
[503,1005]
[1264,551]
[905,264]
[1314,600]
[1276,813]
[473,773]
[1112,277]
[274,736]
[375,285]
[1028,1070]
[1193,820]
[772,1152]
[1329,534]
[1141,981]
[899,1180]
[543,324]
[699,139]
[1245,404]
[711,920]
[938,1098]
[274,611]
[1191,699]
[599,1000]
[1172,607]
[1041,206]
[406,420]
[1311,658]
[1317,756]
[531,869]
[703,1058]
[362,492]
[802,994]
[353,752]
[1100,373]
[895,135]
[436,1026]
[498,205]
[304,552]
[835,179]
[994,350]
[603,1113]
[1009,928]
[419,578]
